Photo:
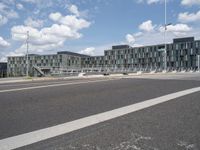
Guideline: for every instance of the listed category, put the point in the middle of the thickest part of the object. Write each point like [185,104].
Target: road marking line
[32,83]
[50,132]
[54,85]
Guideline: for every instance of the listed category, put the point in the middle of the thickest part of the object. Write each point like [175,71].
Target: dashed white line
[43,134]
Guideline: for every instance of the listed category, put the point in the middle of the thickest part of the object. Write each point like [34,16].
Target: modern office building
[39,65]
[3,69]
[92,62]
[182,54]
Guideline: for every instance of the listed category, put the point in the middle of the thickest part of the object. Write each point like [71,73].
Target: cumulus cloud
[138,34]
[156,35]
[74,10]
[33,23]
[130,38]
[190,2]
[37,48]
[49,38]
[50,35]
[55,16]
[88,51]
[3,43]
[189,17]
[147,26]
[177,29]
[70,20]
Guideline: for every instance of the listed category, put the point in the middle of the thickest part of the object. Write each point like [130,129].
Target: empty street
[111,113]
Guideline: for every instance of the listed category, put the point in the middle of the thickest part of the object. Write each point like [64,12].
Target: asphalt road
[170,125]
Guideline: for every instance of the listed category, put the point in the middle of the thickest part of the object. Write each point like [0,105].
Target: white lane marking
[46,133]
[32,83]
[42,83]
[54,85]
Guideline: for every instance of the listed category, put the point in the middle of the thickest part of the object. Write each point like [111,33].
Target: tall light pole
[27,47]
[165,52]
[198,59]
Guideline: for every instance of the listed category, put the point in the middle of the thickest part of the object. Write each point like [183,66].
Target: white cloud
[3,20]
[19,6]
[3,43]
[138,34]
[7,11]
[70,21]
[74,10]
[189,17]
[42,4]
[147,26]
[190,2]
[55,16]
[88,51]
[50,35]
[130,38]
[176,28]
[61,31]
[11,14]
[37,48]
[74,22]
[49,38]
[3,59]
[33,23]
[156,36]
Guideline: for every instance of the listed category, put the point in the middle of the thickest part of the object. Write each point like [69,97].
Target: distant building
[92,62]
[182,54]
[43,64]
[3,69]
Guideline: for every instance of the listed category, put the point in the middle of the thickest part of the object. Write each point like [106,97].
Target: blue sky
[91,26]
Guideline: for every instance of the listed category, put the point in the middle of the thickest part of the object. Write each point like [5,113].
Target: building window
[176,46]
[197,44]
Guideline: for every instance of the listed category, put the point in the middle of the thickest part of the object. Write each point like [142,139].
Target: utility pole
[27,47]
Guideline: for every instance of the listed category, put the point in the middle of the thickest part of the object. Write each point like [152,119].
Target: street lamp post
[27,47]
[165,51]
[198,59]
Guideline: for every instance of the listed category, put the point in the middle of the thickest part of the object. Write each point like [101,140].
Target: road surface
[40,106]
